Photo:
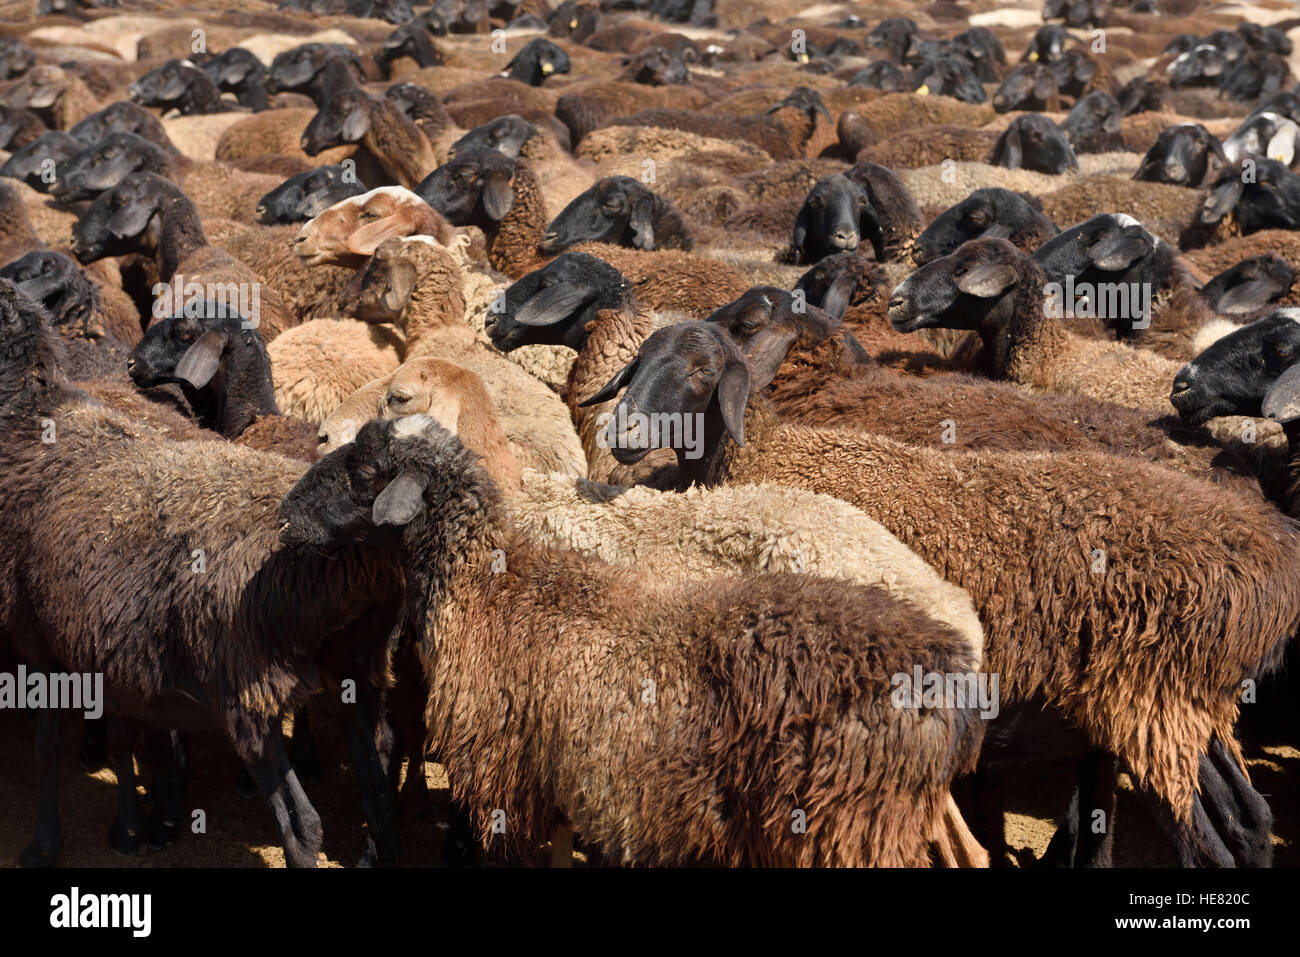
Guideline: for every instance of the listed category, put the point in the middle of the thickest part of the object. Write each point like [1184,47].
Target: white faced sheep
[478,626]
[1081,638]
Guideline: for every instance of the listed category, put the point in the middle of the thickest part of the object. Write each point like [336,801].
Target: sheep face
[121,117]
[1139,95]
[553,305]
[1248,286]
[657,66]
[1233,376]
[53,280]
[413,40]
[1035,143]
[185,349]
[985,213]
[420,106]
[1095,115]
[16,58]
[103,166]
[240,72]
[1047,45]
[1183,155]
[1202,65]
[1271,200]
[386,284]
[506,134]
[121,217]
[983,50]
[1028,87]
[883,75]
[1266,39]
[305,195]
[1264,134]
[688,369]
[842,280]
[1073,72]
[166,86]
[344,119]
[767,314]
[893,35]
[473,189]
[296,69]
[38,164]
[617,209]
[959,290]
[573,21]
[351,230]
[365,492]
[39,90]
[835,217]
[1259,74]
[536,61]
[948,76]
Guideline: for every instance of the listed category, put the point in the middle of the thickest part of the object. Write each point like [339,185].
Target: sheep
[1183,155]
[1000,292]
[882,75]
[1028,87]
[499,195]
[894,113]
[868,202]
[122,117]
[55,95]
[411,39]
[663,825]
[222,367]
[18,127]
[539,59]
[1163,209]
[238,71]
[1249,286]
[1262,134]
[179,85]
[1139,95]
[1029,510]
[622,211]
[318,70]
[656,66]
[1017,217]
[149,214]
[273,132]
[1212,260]
[37,164]
[423,109]
[216,640]
[418,285]
[543,141]
[930,146]
[306,195]
[1034,142]
[394,143]
[947,76]
[1112,250]
[1255,75]
[1270,199]
[1094,124]
[350,230]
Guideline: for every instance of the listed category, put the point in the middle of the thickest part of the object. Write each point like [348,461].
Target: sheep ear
[174,89]
[800,230]
[836,301]
[733,396]
[643,230]
[1282,147]
[1045,87]
[130,220]
[202,359]
[1222,200]
[554,304]
[1012,154]
[371,236]
[498,195]
[1216,161]
[765,353]
[1282,402]
[1247,297]
[996,231]
[356,123]
[1119,253]
[987,282]
[400,502]
[613,386]
[236,72]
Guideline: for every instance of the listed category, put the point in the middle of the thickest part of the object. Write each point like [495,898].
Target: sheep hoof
[33,856]
[160,833]
[245,786]
[122,840]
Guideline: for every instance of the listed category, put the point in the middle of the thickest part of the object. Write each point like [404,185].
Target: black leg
[299,824]
[303,752]
[45,848]
[125,835]
[93,754]
[371,744]
[989,820]
[1238,812]
[459,848]
[166,755]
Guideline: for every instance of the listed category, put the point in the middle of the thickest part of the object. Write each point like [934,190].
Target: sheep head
[305,195]
[506,134]
[107,163]
[553,305]
[617,209]
[984,214]
[124,219]
[1035,143]
[977,283]
[1233,376]
[1185,154]
[1250,285]
[56,282]
[539,59]
[475,188]
[835,217]
[348,232]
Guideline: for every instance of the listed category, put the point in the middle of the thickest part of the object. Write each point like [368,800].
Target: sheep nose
[845,238]
[1175,170]
[897,302]
[130,364]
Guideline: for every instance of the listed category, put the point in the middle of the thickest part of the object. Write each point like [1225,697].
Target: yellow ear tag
[547,69]
[573,24]
[1033,56]
[923,90]
[803,58]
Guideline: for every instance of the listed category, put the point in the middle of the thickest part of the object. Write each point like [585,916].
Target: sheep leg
[989,819]
[561,846]
[1075,844]
[961,843]
[299,824]
[166,756]
[124,835]
[459,848]
[369,735]
[93,753]
[45,848]
[1240,814]
[303,752]
[1195,842]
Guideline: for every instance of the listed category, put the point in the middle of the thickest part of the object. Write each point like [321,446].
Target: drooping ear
[1012,151]
[1246,297]
[643,231]
[1113,123]
[498,194]
[1045,87]
[836,301]
[801,226]
[987,281]
[1222,200]
[400,502]
[996,230]
[1282,402]
[1216,161]
[554,304]
[371,236]
[1119,252]
[174,89]
[356,123]
[236,72]
[614,386]
[733,395]
[1282,146]
[765,353]
[130,220]
[202,359]
[401,280]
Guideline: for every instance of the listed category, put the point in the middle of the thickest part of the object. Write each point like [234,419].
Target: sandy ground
[241,833]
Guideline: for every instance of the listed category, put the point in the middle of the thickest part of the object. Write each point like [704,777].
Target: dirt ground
[241,833]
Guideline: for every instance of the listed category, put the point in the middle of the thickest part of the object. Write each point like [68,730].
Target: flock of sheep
[712,432]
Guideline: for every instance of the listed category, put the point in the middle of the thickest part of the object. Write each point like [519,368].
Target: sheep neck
[180,234]
[1018,336]
[613,339]
[513,243]
[436,306]
[811,365]
[240,393]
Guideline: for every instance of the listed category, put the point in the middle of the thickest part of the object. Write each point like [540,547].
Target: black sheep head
[983,50]
[1203,65]
[57,283]
[554,305]
[1048,45]
[39,164]
[1249,286]
[617,209]
[1030,86]
[768,318]
[536,61]
[415,40]
[345,118]
[1094,123]
[168,85]
[506,134]
[1264,194]
[835,216]
[894,36]
[1139,95]
[107,163]
[474,188]
[882,75]
[948,76]
[304,195]
[657,66]
[1264,134]
[120,218]
[1233,376]
[1035,143]
[962,289]
[987,213]
[1183,155]
[121,117]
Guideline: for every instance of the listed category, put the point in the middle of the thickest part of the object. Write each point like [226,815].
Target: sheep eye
[1283,349]
[365,475]
[398,399]
[814,201]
